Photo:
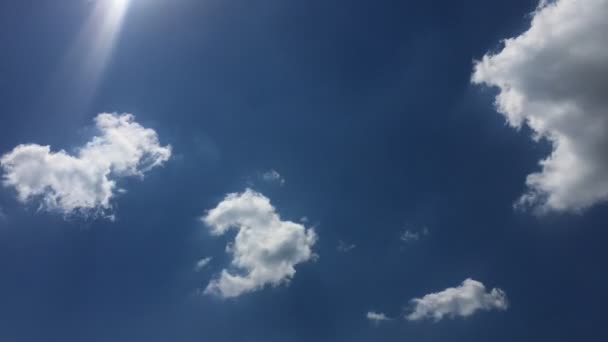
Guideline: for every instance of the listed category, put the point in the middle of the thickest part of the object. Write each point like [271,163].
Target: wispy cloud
[345,247]
[273,176]
[377,317]
[201,264]
[411,235]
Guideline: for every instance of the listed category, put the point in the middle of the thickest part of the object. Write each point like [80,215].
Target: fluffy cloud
[84,182]
[462,301]
[376,317]
[265,249]
[554,79]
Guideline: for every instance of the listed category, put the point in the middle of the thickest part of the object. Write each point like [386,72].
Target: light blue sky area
[275,170]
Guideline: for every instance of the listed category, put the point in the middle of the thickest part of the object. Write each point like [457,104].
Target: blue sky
[303,170]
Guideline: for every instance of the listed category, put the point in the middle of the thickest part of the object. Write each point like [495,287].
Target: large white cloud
[554,78]
[462,301]
[265,249]
[84,182]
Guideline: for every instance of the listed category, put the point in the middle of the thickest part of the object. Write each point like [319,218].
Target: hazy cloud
[272,176]
[345,247]
[411,235]
[377,317]
[201,264]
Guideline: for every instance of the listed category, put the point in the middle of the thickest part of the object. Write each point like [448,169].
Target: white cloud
[273,176]
[265,249]
[462,301]
[84,182]
[377,317]
[345,247]
[202,263]
[410,235]
[554,79]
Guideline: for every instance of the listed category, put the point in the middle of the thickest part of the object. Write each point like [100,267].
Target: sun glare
[90,53]
[102,30]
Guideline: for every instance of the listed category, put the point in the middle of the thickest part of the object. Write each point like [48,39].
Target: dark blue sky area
[364,107]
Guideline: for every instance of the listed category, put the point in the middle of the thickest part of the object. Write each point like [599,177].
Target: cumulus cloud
[554,79]
[86,181]
[201,264]
[272,176]
[376,317]
[265,250]
[462,301]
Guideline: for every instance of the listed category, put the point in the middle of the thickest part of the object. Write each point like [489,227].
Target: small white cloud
[462,301]
[201,264]
[272,176]
[345,247]
[410,235]
[265,250]
[377,317]
[554,79]
[85,182]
